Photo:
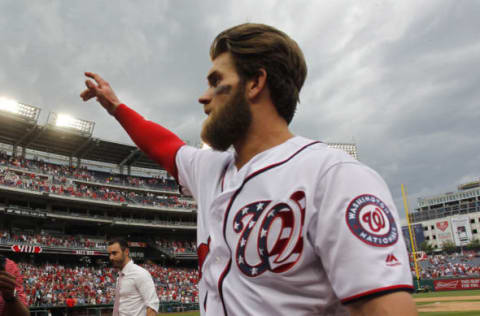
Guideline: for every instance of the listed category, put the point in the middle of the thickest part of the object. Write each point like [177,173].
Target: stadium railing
[79,310]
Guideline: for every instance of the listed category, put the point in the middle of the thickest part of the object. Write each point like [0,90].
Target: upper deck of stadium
[76,142]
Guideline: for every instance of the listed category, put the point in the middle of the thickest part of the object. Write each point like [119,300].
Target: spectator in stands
[49,284]
[13,301]
[70,302]
[136,295]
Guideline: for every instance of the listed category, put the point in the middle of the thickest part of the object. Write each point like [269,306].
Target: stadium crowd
[53,284]
[68,187]
[177,247]
[48,240]
[79,242]
[462,264]
[83,173]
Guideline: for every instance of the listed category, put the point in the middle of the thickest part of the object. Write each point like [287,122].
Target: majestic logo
[442,225]
[278,242]
[392,260]
[371,221]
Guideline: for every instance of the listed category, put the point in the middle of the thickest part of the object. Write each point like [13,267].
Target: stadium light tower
[25,111]
[65,121]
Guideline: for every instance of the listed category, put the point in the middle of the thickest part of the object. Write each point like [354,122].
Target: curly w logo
[278,241]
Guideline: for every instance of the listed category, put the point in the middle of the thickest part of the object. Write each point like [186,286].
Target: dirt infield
[448,298]
[449,304]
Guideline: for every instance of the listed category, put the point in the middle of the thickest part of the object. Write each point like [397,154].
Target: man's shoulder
[206,151]
[318,151]
[139,269]
[320,159]
[204,155]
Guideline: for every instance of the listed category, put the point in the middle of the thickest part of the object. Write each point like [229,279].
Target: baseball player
[286,225]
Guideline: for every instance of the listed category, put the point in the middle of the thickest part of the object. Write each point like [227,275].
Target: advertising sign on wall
[137,244]
[26,248]
[33,249]
[456,284]
[443,230]
[462,232]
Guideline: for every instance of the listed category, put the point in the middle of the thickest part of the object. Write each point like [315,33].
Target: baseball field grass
[448,303]
[448,294]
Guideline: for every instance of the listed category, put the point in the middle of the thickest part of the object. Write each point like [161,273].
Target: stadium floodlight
[69,122]
[9,105]
[65,120]
[23,110]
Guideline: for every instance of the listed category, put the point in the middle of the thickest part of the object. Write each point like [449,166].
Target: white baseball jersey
[298,230]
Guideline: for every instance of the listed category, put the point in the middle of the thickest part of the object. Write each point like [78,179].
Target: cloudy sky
[399,78]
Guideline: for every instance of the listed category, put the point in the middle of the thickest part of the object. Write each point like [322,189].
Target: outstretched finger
[95,77]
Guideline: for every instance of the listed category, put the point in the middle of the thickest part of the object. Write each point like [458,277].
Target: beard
[118,263]
[228,123]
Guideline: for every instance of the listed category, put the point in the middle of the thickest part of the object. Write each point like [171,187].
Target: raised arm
[157,142]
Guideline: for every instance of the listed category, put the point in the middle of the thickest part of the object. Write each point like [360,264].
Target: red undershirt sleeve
[160,144]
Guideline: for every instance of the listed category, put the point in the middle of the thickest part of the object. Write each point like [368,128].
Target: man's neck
[259,138]
[125,263]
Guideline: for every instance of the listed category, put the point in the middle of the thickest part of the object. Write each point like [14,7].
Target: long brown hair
[257,46]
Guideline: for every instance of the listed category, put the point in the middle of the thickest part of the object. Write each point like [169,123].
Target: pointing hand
[102,91]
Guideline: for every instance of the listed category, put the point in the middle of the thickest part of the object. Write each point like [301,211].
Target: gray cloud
[399,78]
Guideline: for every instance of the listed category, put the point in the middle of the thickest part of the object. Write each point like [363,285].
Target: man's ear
[257,84]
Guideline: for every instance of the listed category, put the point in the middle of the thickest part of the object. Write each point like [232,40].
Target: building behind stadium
[451,218]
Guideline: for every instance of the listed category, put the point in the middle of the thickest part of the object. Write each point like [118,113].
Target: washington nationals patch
[371,221]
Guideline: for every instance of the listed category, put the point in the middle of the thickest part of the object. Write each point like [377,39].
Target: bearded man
[135,293]
[285,225]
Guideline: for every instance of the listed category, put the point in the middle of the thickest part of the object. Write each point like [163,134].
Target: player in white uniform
[286,225]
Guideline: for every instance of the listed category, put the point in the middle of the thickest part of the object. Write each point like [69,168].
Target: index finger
[95,77]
